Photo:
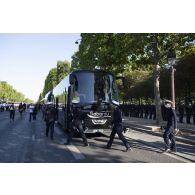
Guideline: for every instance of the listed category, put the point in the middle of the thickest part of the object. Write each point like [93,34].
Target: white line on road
[75,152]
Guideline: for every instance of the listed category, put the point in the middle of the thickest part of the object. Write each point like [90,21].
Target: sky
[25,59]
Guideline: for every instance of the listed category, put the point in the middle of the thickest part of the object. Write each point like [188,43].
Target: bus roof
[90,70]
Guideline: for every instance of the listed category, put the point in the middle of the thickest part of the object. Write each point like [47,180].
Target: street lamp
[171,57]
[77,41]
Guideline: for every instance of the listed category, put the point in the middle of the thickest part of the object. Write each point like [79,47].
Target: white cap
[115,103]
[168,102]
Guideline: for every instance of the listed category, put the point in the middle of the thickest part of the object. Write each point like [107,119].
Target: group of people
[50,116]
[12,109]
[22,108]
[187,109]
[33,109]
[169,133]
[148,111]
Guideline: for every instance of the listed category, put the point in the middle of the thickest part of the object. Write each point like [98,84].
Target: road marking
[75,152]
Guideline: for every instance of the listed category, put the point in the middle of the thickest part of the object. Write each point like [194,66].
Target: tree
[63,69]
[8,93]
[114,52]
[139,85]
[55,75]
[107,51]
[50,81]
[185,80]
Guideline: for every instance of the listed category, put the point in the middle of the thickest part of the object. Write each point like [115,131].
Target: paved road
[24,141]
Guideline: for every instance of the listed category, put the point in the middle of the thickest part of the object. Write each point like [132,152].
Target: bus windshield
[91,87]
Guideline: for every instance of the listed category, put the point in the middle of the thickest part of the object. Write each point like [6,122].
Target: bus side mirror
[71,79]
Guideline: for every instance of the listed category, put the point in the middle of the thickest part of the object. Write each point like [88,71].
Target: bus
[94,92]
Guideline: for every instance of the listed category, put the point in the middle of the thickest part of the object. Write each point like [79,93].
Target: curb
[153,127]
[157,133]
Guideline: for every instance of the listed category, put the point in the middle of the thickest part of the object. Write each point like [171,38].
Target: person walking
[12,112]
[77,125]
[24,107]
[20,108]
[117,128]
[171,128]
[31,108]
[50,118]
[34,113]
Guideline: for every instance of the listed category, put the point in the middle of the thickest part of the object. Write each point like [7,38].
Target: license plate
[98,130]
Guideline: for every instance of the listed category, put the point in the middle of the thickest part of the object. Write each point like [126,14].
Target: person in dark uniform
[141,111]
[188,112]
[163,112]
[117,128]
[151,111]
[24,107]
[154,111]
[181,109]
[146,108]
[77,125]
[20,108]
[193,112]
[50,118]
[34,114]
[171,128]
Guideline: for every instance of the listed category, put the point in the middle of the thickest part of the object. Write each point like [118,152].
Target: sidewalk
[186,134]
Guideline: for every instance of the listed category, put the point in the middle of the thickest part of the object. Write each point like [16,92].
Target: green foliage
[140,85]
[108,51]
[132,52]
[50,81]
[116,51]
[185,80]
[8,93]
[63,69]
[54,76]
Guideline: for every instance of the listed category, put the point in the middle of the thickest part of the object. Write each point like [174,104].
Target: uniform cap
[168,102]
[115,103]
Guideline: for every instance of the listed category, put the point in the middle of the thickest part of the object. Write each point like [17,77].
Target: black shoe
[108,147]
[86,144]
[174,150]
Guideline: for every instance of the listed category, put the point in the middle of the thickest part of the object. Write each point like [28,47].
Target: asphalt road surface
[22,141]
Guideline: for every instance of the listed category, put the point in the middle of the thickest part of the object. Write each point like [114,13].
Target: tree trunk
[156,80]
[157,94]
